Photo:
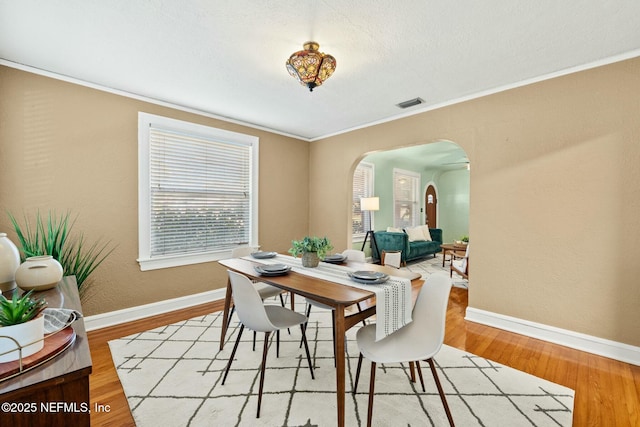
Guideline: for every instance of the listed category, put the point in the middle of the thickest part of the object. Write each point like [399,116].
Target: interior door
[431,206]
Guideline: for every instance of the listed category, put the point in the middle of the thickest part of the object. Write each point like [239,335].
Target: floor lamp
[370,204]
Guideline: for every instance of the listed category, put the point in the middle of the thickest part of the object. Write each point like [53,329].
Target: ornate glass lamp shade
[311,67]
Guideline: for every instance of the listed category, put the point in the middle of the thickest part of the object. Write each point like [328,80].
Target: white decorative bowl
[39,273]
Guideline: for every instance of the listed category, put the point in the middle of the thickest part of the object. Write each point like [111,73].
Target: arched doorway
[442,164]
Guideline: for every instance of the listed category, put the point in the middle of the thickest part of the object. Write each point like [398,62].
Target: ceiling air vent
[410,103]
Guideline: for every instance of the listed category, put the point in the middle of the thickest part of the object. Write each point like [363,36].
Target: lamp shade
[370,204]
[311,67]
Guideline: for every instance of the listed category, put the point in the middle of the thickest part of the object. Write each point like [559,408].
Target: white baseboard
[117,317]
[602,347]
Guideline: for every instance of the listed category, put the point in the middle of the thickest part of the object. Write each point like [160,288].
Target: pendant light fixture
[311,67]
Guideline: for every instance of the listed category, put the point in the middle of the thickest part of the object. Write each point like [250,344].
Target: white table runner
[393,298]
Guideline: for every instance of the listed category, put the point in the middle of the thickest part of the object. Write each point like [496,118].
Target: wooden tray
[54,344]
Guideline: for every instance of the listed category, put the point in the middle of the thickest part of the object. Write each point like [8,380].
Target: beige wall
[555,190]
[65,146]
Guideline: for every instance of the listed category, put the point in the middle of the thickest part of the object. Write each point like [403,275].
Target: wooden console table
[55,393]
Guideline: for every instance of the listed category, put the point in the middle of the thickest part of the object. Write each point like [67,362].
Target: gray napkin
[56,319]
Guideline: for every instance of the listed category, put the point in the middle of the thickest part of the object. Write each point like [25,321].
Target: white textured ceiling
[226,58]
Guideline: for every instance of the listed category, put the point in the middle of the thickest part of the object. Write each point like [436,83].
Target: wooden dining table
[333,294]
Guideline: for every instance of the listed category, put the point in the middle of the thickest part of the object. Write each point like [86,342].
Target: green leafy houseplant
[52,236]
[19,310]
[465,239]
[319,245]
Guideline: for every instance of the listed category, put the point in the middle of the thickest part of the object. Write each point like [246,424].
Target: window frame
[145,121]
[415,211]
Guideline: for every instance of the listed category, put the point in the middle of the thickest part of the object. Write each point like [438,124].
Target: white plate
[278,272]
[336,258]
[274,268]
[264,255]
[368,275]
[369,281]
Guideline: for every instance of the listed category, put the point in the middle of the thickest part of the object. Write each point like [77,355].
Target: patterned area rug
[172,377]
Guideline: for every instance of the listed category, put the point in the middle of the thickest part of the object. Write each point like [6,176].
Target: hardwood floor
[607,391]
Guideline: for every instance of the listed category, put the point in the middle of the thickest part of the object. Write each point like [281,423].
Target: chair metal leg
[282,303]
[254,340]
[306,348]
[371,387]
[278,343]
[420,374]
[355,385]
[233,308]
[432,365]
[333,326]
[262,370]
[233,353]
[364,323]
[307,322]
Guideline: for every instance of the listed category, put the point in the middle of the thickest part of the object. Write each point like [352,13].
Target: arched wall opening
[442,164]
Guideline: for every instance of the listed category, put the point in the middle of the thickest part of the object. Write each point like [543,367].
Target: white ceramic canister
[29,336]
[39,273]
[9,263]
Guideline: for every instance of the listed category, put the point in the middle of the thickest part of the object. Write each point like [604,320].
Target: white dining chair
[266,291]
[419,340]
[352,255]
[391,258]
[460,264]
[258,317]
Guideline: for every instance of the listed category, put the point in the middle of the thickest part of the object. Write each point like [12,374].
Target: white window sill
[180,260]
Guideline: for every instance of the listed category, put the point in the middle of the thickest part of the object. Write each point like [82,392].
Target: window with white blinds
[406,198]
[363,179]
[198,192]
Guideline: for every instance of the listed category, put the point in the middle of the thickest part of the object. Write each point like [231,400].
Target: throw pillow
[394,230]
[426,232]
[415,234]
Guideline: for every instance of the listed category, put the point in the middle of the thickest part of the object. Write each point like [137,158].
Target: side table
[448,248]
